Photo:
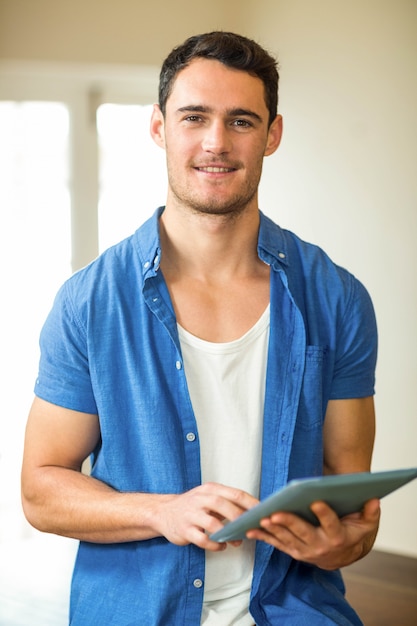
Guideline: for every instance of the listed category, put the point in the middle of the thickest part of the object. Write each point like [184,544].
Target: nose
[216,138]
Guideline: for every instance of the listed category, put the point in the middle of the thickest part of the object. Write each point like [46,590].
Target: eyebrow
[238,112]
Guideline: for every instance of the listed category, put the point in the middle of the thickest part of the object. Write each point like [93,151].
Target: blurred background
[78,172]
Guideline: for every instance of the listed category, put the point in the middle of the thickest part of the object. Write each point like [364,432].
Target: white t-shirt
[226,382]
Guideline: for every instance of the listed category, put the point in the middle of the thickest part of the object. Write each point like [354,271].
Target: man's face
[215,133]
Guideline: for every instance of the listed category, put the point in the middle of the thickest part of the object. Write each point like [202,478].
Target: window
[51,162]
[35,255]
[131,171]
[34,260]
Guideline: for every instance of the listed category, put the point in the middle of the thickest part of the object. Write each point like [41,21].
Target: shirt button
[178,365]
[190,437]
[281,255]
[198,583]
[146,265]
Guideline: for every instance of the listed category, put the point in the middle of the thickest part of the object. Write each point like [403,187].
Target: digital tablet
[345,493]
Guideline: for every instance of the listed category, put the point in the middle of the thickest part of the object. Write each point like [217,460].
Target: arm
[348,438]
[58,498]
[348,435]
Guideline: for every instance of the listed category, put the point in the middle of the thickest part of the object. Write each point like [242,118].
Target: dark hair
[230,49]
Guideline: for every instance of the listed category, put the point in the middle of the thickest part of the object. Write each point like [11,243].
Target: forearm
[66,502]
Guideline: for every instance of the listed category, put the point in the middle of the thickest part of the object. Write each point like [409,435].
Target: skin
[215,149]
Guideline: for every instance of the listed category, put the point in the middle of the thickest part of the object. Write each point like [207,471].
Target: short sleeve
[356,350]
[63,376]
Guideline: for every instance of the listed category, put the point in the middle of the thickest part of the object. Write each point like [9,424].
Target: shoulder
[120,267]
[303,262]
[100,276]
[323,290]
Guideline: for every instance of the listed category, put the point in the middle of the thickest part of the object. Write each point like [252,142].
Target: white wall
[345,178]
[106,31]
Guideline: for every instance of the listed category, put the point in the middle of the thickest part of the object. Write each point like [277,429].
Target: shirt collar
[149,245]
[272,246]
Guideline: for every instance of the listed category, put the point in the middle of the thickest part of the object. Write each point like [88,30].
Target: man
[204,362]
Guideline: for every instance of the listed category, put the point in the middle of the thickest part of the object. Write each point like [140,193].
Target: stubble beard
[231,206]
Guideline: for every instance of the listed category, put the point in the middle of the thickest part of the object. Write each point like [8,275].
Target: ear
[274,136]
[157,126]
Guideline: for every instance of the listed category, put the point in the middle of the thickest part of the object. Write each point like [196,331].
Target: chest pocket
[307,447]
[310,410]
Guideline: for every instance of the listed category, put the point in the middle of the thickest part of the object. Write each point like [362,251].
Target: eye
[241,123]
[192,118]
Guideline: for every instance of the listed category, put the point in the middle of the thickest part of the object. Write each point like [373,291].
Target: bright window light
[35,254]
[133,180]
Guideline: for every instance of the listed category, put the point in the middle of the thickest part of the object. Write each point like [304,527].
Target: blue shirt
[110,346]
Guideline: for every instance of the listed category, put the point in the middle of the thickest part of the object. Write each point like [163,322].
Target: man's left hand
[334,543]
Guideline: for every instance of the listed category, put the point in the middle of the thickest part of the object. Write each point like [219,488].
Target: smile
[216,170]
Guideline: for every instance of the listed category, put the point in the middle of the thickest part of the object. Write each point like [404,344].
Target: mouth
[214,169]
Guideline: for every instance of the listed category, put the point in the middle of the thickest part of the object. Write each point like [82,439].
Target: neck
[209,245]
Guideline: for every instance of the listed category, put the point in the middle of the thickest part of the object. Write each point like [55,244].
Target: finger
[258,534]
[294,525]
[372,510]
[280,538]
[238,497]
[328,519]
[291,531]
[203,541]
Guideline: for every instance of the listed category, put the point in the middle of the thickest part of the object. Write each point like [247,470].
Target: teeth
[215,170]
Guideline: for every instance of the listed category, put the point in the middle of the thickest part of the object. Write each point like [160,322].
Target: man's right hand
[194,515]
